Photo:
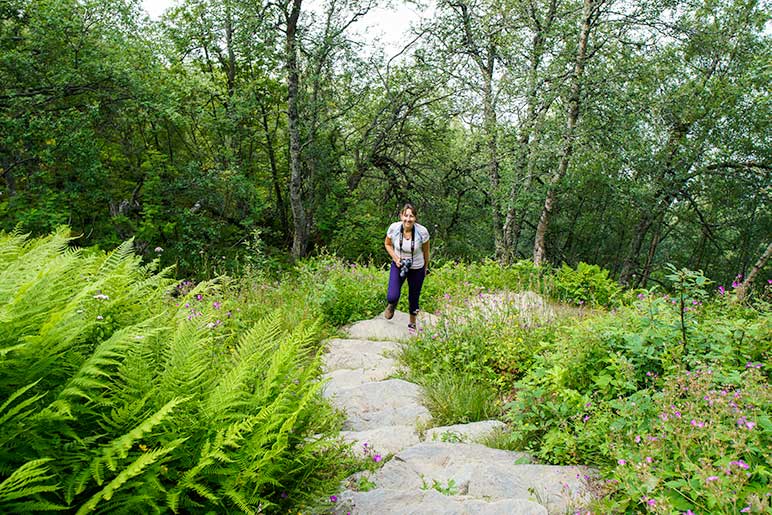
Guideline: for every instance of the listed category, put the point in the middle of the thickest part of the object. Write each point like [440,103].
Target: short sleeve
[423,233]
[393,231]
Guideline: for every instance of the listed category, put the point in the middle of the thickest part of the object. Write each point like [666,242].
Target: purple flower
[622,462]
[216,305]
[696,423]
[721,290]
[199,297]
[651,502]
[585,418]
[284,495]
[377,458]
[711,478]
[688,512]
[333,498]
[747,509]
[641,296]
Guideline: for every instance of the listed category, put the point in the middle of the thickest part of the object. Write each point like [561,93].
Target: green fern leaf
[134,469]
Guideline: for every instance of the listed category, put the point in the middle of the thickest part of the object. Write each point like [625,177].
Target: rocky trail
[434,471]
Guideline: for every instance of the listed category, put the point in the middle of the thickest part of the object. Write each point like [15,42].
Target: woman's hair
[409,206]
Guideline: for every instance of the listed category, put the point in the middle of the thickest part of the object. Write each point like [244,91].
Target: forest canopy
[231,132]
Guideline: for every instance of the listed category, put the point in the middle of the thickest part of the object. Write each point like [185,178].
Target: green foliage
[351,293]
[131,399]
[587,284]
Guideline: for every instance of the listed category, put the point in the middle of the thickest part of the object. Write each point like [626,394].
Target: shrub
[588,284]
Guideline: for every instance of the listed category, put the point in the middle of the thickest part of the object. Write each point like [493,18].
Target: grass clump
[454,399]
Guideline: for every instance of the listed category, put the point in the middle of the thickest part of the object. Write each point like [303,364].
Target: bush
[117,396]
[587,285]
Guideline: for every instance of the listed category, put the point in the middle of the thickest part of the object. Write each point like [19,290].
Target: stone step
[344,379]
[395,329]
[429,502]
[353,354]
[483,473]
[392,402]
[382,440]
[463,433]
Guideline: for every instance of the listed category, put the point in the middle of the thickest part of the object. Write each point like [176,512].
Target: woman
[407,242]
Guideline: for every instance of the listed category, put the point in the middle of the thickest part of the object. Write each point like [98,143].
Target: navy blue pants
[415,280]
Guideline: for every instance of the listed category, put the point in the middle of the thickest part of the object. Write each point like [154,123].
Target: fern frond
[240,501]
[116,258]
[134,469]
[119,448]
[17,410]
[29,479]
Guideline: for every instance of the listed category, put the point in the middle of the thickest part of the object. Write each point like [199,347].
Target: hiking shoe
[411,329]
[389,313]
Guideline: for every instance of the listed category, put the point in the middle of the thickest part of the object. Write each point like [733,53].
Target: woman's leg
[415,281]
[395,285]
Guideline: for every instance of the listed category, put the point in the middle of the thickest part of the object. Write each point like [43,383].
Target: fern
[134,469]
[28,481]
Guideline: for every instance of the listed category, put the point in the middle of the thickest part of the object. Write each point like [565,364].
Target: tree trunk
[539,246]
[274,172]
[300,222]
[745,287]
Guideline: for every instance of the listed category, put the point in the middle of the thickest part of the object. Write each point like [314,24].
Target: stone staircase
[439,471]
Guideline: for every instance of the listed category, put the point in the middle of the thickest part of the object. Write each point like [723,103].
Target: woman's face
[408,218]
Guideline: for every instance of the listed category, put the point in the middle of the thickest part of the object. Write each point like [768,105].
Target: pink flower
[649,459]
[377,458]
[333,498]
[711,478]
[721,290]
[622,462]
[747,509]
[637,438]
[696,423]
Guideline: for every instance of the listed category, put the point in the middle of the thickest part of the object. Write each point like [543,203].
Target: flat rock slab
[429,502]
[392,402]
[351,354]
[383,440]
[395,329]
[484,473]
[463,433]
[343,379]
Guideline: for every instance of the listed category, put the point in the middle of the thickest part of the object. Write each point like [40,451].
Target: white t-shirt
[421,235]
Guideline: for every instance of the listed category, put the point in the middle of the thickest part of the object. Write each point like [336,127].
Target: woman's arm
[425,249]
[390,249]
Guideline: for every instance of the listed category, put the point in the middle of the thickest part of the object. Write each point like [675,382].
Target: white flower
[158,250]
[100,317]
[101,296]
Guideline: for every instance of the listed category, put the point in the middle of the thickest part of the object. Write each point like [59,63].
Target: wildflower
[747,509]
[622,462]
[696,423]
[100,317]
[333,498]
[637,438]
[677,414]
[101,296]
[377,458]
[649,459]
[721,290]
[735,284]
[216,305]
[585,418]
[284,495]
[199,297]
[741,464]
[664,417]
[711,478]
[641,296]
[688,512]
[158,250]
